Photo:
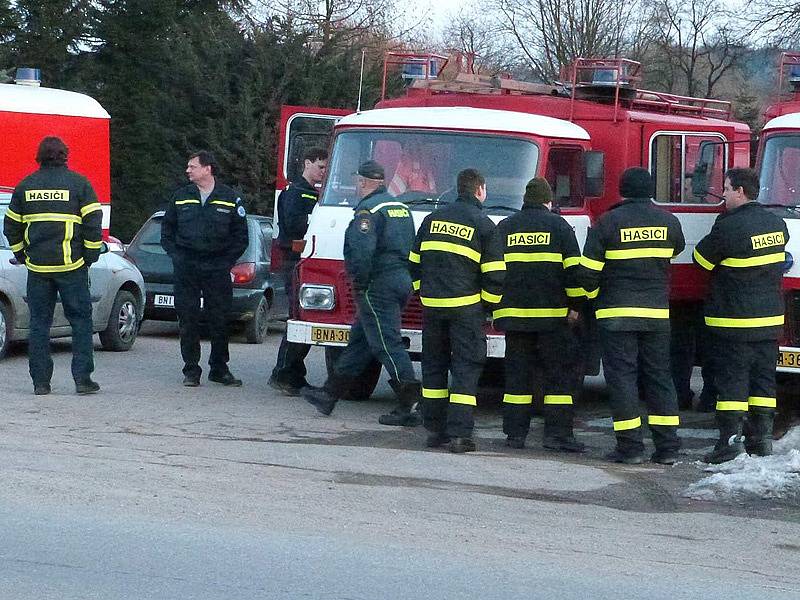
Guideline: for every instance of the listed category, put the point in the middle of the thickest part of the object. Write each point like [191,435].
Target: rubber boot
[409,394]
[558,433]
[324,399]
[758,433]
[730,443]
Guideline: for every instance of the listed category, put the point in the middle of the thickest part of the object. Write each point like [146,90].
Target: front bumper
[301,332]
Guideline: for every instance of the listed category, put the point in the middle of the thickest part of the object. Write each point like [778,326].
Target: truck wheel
[364,385]
[123,323]
[255,330]
[5,328]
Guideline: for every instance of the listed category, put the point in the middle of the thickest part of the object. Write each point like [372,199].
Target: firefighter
[376,248]
[745,252]
[540,295]
[295,204]
[625,265]
[458,268]
[204,231]
[54,227]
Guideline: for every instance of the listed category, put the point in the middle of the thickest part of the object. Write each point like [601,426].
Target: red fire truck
[580,135]
[29,113]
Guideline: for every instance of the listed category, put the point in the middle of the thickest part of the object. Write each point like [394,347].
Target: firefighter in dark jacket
[540,295]
[295,204]
[376,247]
[204,231]
[457,266]
[625,265]
[745,252]
[54,226]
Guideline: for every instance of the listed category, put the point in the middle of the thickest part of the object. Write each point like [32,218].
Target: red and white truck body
[580,142]
[30,113]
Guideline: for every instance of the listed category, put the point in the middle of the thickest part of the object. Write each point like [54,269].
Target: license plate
[330,334]
[788,359]
[166,301]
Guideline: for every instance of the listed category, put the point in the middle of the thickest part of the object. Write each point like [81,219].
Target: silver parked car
[116,287]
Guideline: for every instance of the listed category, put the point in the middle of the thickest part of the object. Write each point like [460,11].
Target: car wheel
[123,323]
[5,328]
[255,330]
[363,386]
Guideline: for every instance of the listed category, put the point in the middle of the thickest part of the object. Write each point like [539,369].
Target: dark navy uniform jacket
[214,233]
[745,252]
[295,203]
[378,239]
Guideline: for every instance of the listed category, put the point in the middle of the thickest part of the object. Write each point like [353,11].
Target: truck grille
[412,315]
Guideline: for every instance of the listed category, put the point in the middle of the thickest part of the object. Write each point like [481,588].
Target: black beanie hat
[538,191]
[636,183]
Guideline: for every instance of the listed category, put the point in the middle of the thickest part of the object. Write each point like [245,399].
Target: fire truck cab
[580,135]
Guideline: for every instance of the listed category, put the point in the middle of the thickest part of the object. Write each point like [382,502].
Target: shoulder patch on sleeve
[240,211]
[364,224]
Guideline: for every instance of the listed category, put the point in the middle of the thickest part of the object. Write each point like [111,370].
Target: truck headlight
[317,297]
[788,262]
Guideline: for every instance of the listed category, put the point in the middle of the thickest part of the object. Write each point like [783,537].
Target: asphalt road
[153,490]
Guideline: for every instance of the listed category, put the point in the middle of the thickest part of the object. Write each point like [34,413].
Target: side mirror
[594,173]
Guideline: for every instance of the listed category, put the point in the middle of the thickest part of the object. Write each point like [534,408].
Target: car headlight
[317,297]
[788,262]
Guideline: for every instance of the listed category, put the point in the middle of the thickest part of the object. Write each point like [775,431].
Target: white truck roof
[790,121]
[466,119]
[48,101]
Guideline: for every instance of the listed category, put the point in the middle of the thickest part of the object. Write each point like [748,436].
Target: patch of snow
[749,477]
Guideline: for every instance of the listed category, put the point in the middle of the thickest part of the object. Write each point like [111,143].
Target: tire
[256,329]
[5,328]
[123,323]
[364,385]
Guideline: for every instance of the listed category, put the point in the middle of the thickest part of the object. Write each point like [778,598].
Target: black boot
[730,443]
[758,433]
[405,415]
[558,432]
[324,399]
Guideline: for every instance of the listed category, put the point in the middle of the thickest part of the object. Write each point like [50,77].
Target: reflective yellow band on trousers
[755,261]
[557,399]
[741,323]
[730,405]
[530,313]
[533,257]
[413,257]
[55,268]
[639,253]
[490,297]
[629,424]
[590,263]
[701,260]
[452,249]
[632,311]
[463,399]
[518,398]
[450,302]
[495,265]
[572,261]
[435,393]
[668,420]
[763,401]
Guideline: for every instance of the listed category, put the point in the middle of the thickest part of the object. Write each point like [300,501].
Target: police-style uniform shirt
[625,265]
[54,222]
[542,256]
[214,232]
[457,260]
[378,239]
[745,252]
[295,204]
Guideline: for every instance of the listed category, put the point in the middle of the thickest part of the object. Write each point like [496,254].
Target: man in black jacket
[745,252]
[376,247]
[54,226]
[540,295]
[204,231]
[457,266]
[625,265]
[295,204]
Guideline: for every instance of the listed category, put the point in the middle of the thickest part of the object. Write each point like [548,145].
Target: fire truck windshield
[780,171]
[421,167]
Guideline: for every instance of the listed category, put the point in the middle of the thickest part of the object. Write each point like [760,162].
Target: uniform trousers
[73,289]
[539,362]
[453,341]
[195,279]
[640,358]
[290,366]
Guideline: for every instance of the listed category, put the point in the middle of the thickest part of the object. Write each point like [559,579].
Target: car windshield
[149,238]
[780,171]
[421,168]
